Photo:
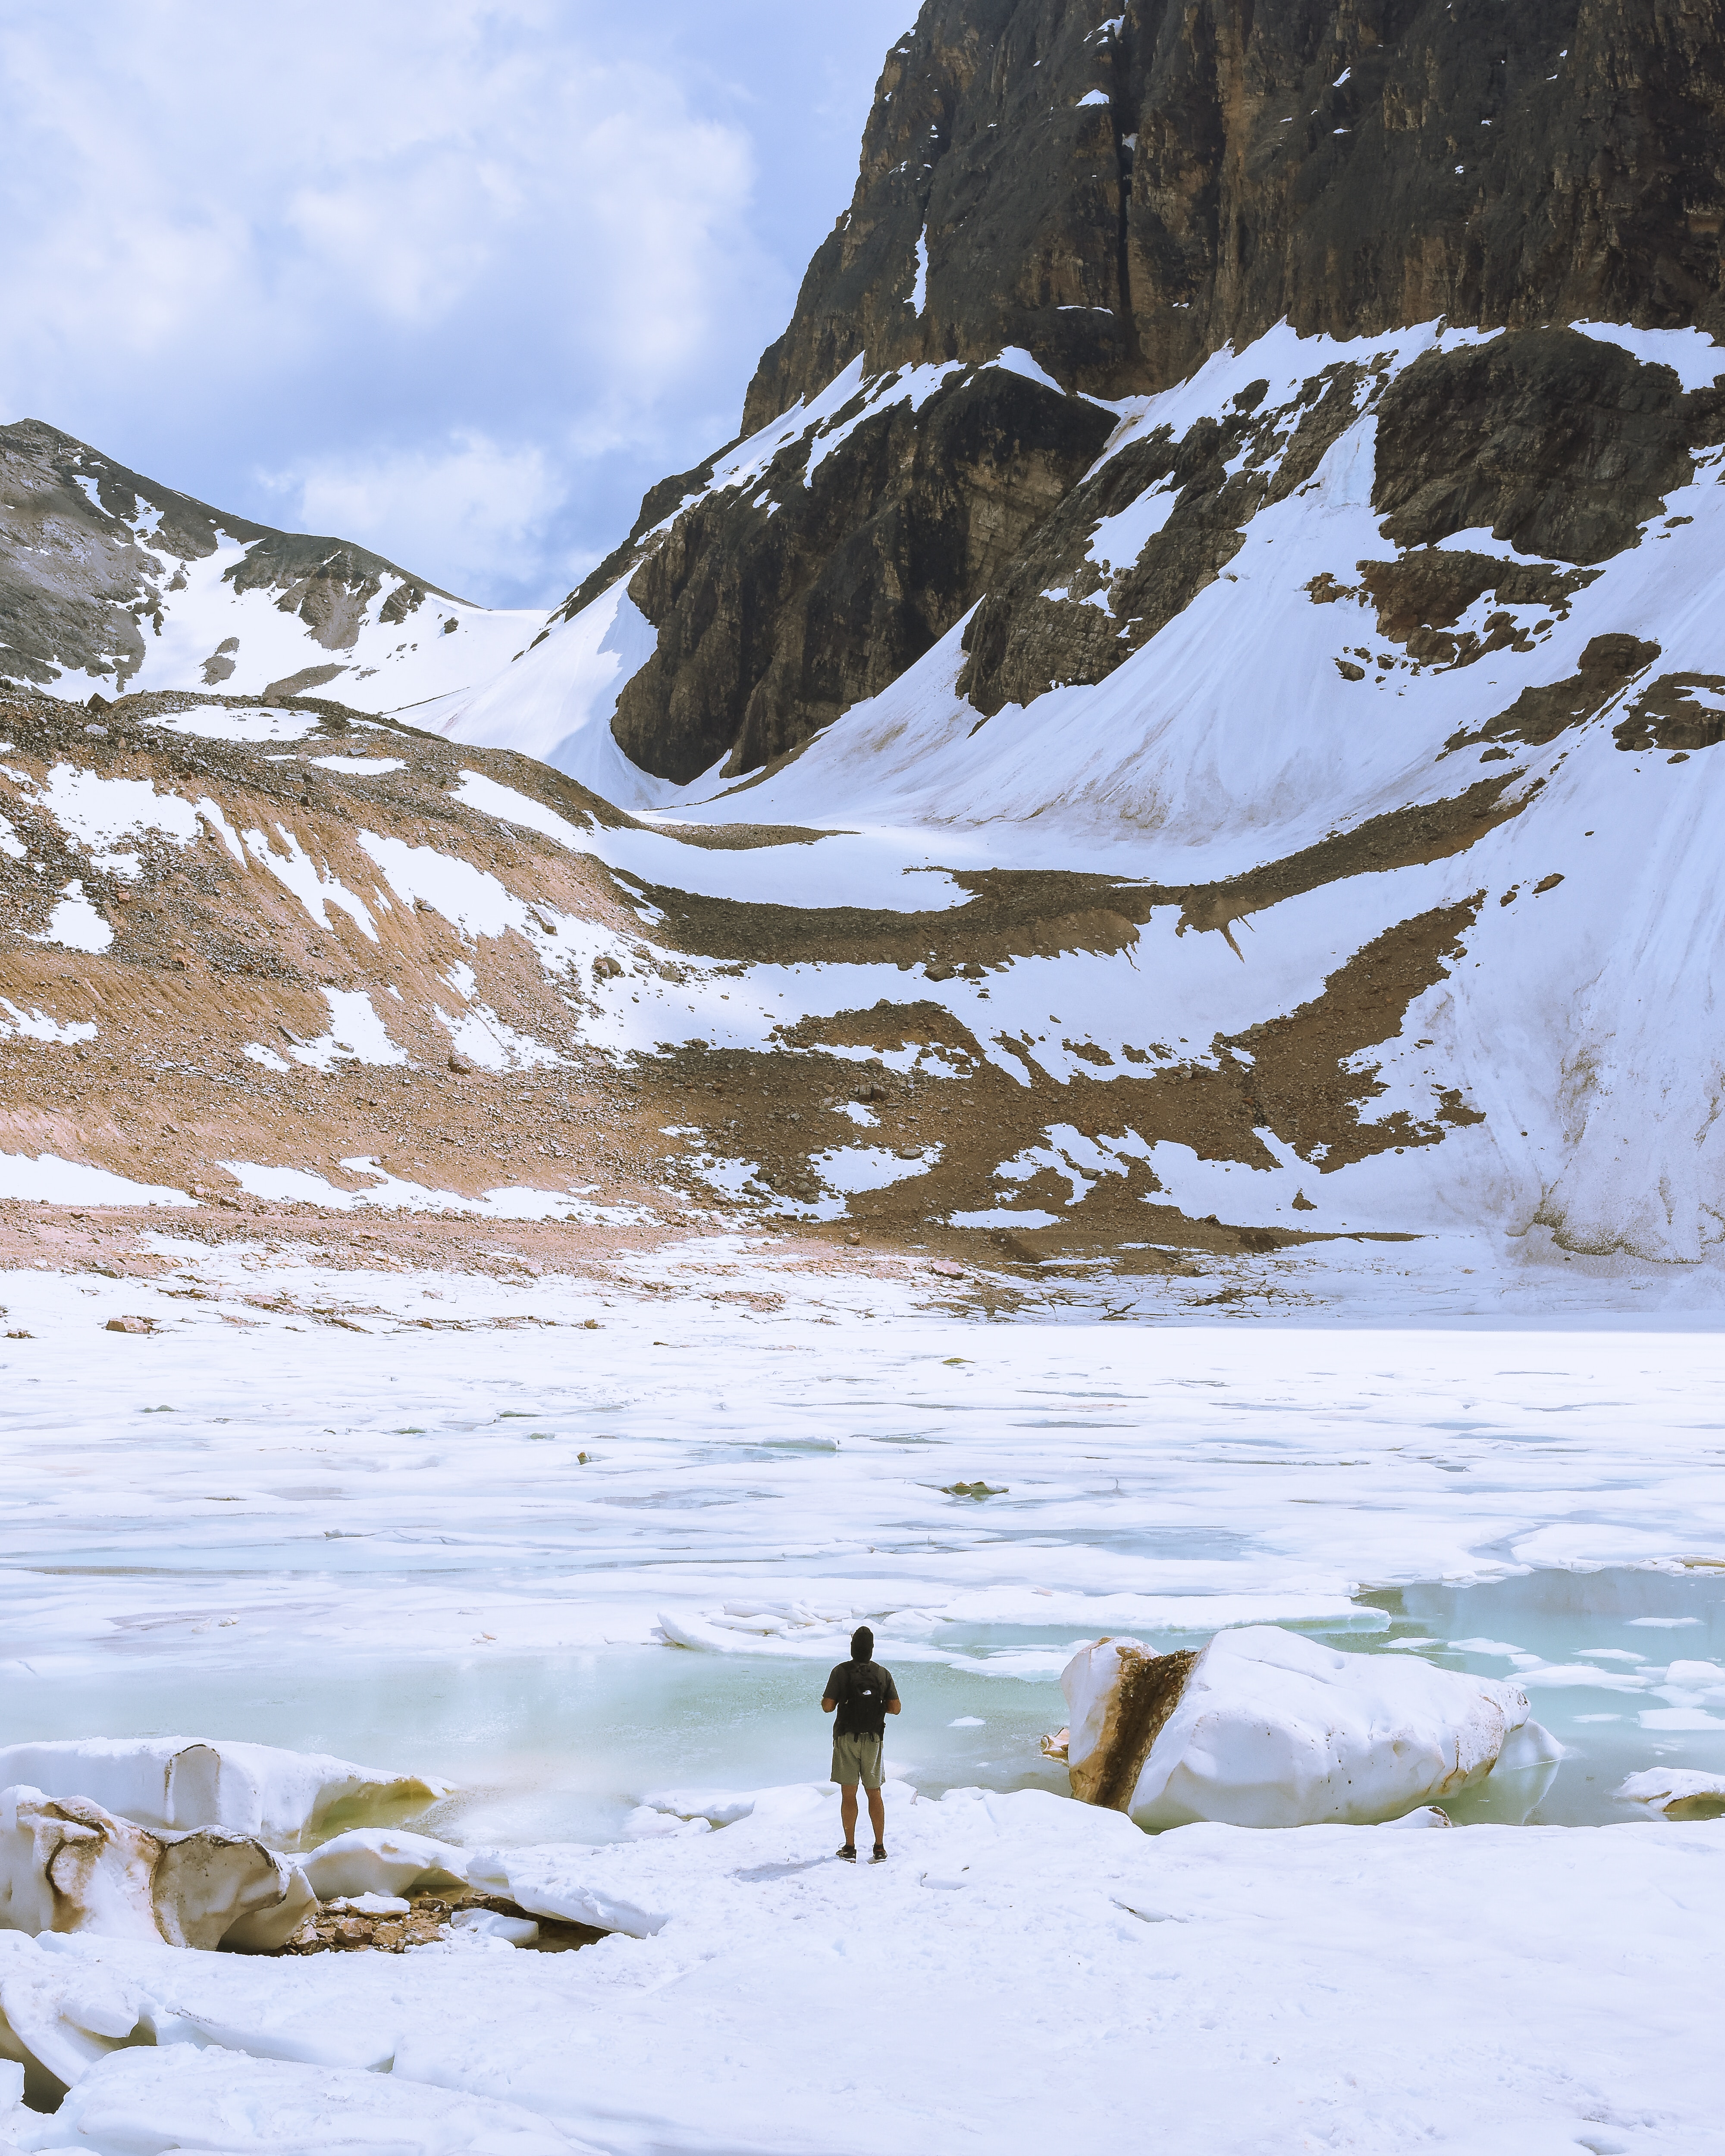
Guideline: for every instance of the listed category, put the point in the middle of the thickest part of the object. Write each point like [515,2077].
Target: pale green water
[561,1746]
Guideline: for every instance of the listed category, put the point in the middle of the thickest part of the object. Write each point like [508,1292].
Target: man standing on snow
[864,1695]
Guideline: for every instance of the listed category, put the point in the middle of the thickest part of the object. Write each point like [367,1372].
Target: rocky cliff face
[110,580]
[1113,194]
[1245,483]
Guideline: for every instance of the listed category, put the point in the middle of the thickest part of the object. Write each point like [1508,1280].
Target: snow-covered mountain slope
[1230,536]
[110,583]
[1374,887]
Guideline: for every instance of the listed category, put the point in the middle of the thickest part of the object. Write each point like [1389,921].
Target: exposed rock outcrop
[1114,194]
[109,577]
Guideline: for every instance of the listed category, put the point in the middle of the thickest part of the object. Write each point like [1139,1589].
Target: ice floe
[1263,1728]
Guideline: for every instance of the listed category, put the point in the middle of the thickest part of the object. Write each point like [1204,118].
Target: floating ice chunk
[753,1629]
[1704,1679]
[180,1782]
[1265,1728]
[382,1860]
[1659,1788]
[185,2098]
[67,1865]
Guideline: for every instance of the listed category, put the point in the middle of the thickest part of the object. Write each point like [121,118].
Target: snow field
[1024,1963]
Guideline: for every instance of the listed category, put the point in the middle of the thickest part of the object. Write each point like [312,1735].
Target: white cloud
[468,504]
[415,251]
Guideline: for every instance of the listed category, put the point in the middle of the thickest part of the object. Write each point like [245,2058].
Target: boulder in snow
[66,1864]
[1263,1728]
[183,1782]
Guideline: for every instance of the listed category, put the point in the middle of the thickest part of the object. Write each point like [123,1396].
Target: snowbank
[375,1860]
[169,1782]
[1263,1728]
[183,2098]
[1018,1959]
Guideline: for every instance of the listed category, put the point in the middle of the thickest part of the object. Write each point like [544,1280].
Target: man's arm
[892,1705]
[827,1705]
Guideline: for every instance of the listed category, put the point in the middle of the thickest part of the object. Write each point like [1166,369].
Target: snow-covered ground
[462,1552]
[1023,1974]
[1572,1017]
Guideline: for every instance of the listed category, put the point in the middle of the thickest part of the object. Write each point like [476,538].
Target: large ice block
[183,1781]
[1263,1728]
[66,1864]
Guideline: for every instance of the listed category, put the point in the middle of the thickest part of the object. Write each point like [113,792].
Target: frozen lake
[386,1544]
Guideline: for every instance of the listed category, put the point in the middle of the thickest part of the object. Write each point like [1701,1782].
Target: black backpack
[862,1704]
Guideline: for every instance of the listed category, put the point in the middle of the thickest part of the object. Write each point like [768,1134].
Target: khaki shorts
[857,1759]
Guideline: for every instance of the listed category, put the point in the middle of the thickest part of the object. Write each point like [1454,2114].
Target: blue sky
[457,280]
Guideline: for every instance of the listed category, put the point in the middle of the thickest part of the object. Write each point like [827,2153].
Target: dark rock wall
[1351,167]
[1119,187]
[778,611]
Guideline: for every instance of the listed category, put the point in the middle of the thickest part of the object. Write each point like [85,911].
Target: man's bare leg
[877,1817]
[847,1811]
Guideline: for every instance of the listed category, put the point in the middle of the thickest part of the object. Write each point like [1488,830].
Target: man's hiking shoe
[879,1855]
[847,1852]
